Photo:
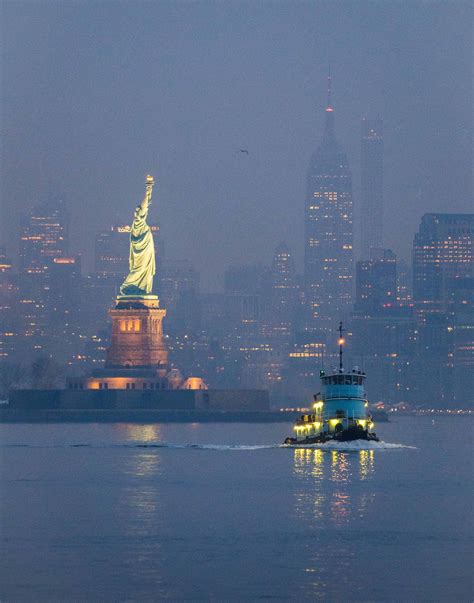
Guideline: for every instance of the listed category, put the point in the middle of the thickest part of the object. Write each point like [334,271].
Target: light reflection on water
[139,503]
[333,477]
[366,463]
[144,464]
[139,433]
[330,494]
[140,512]
[340,467]
[112,520]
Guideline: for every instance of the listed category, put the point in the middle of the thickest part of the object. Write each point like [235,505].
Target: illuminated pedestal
[137,334]
[137,357]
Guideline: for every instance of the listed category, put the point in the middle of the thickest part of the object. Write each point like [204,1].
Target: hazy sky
[97,94]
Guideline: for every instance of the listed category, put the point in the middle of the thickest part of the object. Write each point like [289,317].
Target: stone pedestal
[137,335]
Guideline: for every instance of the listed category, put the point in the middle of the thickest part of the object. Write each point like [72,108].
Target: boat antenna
[341,342]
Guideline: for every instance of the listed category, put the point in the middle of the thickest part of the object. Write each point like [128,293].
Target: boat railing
[362,399]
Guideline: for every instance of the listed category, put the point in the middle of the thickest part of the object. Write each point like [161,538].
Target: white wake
[340,446]
[354,446]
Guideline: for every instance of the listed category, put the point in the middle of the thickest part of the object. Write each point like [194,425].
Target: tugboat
[340,410]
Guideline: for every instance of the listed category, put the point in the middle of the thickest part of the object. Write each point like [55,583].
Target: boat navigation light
[319,404]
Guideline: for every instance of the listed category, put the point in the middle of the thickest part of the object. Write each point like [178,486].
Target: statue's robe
[142,257]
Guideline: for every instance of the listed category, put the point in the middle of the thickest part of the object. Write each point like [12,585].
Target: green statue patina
[142,250]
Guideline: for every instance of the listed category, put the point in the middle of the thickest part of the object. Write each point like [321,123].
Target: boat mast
[341,343]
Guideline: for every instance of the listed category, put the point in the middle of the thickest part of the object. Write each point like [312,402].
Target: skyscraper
[43,237]
[64,308]
[283,294]
[178,287]
[376,282]
[383,330]
[8,302]
[443,273]
[328,231]
[371,186]
[442,253]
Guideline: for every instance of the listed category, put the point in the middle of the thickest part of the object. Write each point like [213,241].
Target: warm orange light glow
[194,383]
[341,341]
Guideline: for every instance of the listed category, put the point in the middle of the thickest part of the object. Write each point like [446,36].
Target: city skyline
[256,333]
[93,153]
[253,292]
[236,300]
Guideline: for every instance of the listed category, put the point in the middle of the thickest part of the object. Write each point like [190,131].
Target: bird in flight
[243,151]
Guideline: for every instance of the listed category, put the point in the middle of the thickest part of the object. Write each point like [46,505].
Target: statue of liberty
[142,250]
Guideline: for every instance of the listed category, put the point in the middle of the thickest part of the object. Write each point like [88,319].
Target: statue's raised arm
[142,250]
[150,183]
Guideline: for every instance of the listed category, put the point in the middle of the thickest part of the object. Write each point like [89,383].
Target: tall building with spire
[328,261]
[371,186]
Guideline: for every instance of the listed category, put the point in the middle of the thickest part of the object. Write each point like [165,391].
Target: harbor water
[186,512]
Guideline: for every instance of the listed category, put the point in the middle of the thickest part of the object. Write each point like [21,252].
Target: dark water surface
[102,513]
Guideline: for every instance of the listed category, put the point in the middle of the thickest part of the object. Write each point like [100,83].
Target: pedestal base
[137,334]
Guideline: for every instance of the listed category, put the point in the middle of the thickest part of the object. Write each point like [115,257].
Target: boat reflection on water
[330,489]
[332,500]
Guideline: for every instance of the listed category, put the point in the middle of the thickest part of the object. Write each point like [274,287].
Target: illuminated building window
[130,325]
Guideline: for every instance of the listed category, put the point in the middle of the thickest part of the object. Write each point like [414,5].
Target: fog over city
[96,95]
[236,300]
[307,164]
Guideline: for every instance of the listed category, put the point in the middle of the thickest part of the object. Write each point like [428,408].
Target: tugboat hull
[347,435]
[354,433]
